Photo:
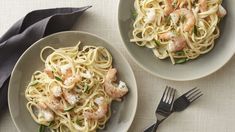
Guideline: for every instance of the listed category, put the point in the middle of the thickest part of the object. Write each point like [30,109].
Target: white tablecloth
[214,112]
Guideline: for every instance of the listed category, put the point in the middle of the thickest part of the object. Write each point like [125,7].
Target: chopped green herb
[51,123]
[134,14]
[79,122]
[86,88]
[180,61]
[33,83]
[58,78]
[54,69]
[68,109]
[42,128]
[157,42]
[180,53]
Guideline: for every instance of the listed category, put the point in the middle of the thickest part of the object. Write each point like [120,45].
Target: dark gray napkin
[35,25]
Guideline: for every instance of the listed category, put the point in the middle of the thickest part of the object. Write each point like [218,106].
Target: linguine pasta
[75,90]
[180,30]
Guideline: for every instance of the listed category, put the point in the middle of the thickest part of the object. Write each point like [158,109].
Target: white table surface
[214,112]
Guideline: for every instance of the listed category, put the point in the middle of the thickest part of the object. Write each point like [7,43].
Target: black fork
[165,106]
[186,99]
[182,103]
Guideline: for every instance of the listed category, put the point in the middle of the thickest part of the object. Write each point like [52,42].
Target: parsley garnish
[158,43]
[134,14]
[180,61]
[180,53]
[79,122]
[58,78]
[86,88]
[42,128]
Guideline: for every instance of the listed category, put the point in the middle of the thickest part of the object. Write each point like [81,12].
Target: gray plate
[120,121]
[201,67]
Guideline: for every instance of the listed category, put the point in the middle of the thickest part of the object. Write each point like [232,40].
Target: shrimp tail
[114,90]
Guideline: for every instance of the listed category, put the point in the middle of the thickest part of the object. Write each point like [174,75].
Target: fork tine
[168,95]
[191,92]
[192,95]
[172,96]
[165,94]
[195,97]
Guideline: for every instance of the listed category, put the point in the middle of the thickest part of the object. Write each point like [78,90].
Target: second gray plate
[201,67]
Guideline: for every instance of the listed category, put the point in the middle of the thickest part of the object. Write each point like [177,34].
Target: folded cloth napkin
[35,25]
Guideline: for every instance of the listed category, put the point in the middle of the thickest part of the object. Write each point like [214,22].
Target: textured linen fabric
[34,26]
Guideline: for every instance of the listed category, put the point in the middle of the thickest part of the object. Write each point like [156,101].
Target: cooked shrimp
[45,115]
[177,44]
[77,78]
[112,90]
[190,19]
[42,105]
[64,68]
[181,3]
[56,91]
[72,80]
[166,35]
[202,5]
[221,11]
[68,73]
[150,16]
[111,75]
[87,74]
[51,103]
[169,7]
[55,104]
[71,97]
[100,112]
[49,72]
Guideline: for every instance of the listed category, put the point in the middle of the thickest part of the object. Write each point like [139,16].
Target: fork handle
[150,129]
[155,126]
